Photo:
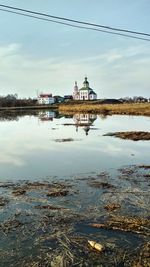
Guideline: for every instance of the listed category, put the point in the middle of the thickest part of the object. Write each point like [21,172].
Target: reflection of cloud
[114,148]
[11,159]
[21,146]
[119,151]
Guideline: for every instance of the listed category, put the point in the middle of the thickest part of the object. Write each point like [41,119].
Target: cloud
[9,50]
[114,73]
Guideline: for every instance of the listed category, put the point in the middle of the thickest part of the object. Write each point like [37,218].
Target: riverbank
[142,109]
[138,109]
[38,107]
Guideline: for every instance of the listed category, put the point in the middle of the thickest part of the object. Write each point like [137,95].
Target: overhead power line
[75,21]
[69,24]
[75,26]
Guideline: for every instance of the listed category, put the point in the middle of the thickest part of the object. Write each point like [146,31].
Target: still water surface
[50,144]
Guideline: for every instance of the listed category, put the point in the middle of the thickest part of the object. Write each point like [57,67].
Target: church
[84,93]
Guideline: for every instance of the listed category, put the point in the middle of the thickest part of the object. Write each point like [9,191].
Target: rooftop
[45,95]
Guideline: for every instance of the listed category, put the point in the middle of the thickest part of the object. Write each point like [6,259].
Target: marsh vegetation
[49,223]
[108,109]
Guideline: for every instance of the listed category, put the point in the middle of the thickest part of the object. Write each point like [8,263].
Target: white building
[85,93]
[46,99]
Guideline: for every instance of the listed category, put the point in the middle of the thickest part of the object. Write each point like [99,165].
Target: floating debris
[3,201]
[147,175]
[40,230]
[10,225]
[58,193]
[144,166]
[6,185]
[96,246]
[61,140]
[18,192]
[143,260]
[131,224]
[103,185]
[49,207]
[112,206]
[103,175]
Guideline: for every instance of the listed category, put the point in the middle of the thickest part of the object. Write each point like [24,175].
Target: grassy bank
[29,107]
[122,109]
[91,107]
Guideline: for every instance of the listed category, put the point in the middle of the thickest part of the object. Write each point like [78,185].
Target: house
[58,99]
[84,93]
[46,99]
[67,98]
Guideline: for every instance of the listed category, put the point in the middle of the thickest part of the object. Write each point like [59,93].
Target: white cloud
[9,50]
[118,72]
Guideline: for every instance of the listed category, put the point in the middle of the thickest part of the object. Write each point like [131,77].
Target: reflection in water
[47,115]
[15,115]
[29,149]
[85,121]
[81,120]
[103,116]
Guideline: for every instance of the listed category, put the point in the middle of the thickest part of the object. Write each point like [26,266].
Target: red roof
[45,95]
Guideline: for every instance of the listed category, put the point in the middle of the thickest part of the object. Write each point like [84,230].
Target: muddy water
[64,183]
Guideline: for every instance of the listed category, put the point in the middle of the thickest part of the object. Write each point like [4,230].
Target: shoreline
[137,109]
[29,107]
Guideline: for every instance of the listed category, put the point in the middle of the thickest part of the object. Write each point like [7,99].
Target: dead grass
[3,201]
[110,109]
[126,224]
[134,135]
[143,259]
[112,206]
[99,184]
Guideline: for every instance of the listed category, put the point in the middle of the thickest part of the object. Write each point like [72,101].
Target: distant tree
[12,100]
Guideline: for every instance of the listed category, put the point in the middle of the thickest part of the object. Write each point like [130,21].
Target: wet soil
[3,201]
[62,140]
[134,136]
[49,223]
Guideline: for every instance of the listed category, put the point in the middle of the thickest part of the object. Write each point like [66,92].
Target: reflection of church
[85,121]
[46,115]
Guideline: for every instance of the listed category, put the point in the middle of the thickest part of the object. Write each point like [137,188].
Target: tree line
[135,99]
[12,100]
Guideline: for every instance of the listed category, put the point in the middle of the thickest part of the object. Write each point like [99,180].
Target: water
[31,147]
[70,152]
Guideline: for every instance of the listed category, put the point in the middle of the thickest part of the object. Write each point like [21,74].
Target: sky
[38,56]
